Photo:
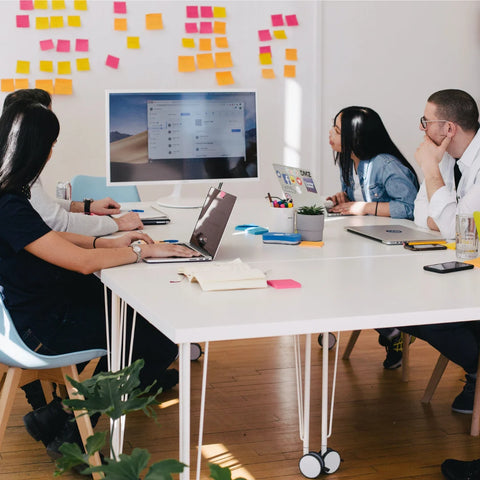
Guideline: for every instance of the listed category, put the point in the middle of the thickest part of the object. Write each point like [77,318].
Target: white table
[385,286]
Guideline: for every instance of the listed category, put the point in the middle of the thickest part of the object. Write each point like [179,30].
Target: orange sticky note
[40,4]
[311,244]
[56,22]
[153,21]
[188,43]
[42,23]
[58,4]
[46,66]
[265,58]
[221,42]
[291,54]
[74,21]
[205,44]
[205,61]
[120,24]
[224,78]
[133,42]
[23,66]
[219,12]
[83,64]
[63,86]
[223,60]
[80,4]
[268,73]
[219,28]
[64,68]
[45,85]
[289,71]
[21,83]
[280,34]
[186,63]
[7,85]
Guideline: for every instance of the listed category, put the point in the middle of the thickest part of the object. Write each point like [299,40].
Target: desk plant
[116,394]
[310,221]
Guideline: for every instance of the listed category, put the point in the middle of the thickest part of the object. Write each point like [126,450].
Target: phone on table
[448,267]
[422,247]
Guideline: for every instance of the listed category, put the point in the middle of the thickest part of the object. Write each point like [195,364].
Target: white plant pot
[310,227]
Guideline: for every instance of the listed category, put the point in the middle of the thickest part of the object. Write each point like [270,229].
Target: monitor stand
[176,200]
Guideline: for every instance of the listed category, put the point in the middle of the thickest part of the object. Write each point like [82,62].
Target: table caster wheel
[195,351]
[311,465]
[332,340]
[331,461]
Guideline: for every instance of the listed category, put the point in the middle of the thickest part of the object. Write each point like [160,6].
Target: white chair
[19,365]
[85,186]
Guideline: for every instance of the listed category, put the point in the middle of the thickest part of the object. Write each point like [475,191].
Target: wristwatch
[138,251]
[86,205]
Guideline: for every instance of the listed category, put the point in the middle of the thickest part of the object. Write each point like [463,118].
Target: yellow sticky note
[188,43]
[74,21]
[205,44]
[40,4]
[42,23]
[153,21]
[21,83]
[291,54]
[83,64]
[120,24]
[7,85]
[205,61]
[63,86]
[46,66]
[289,71]
[80,4]
[45,85]
[221,42]
[58,4]
[224,78]
[280,34]
[133,42]
[186,63]
[223,60]
[268,73]
[23,66]
[64,68]
[311,244]
[56,22]
[265,58]
[219,12]
[219,28]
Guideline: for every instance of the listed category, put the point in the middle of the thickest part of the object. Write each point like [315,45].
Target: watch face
[137,249]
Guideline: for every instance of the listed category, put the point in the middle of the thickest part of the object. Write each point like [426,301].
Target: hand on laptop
[350,208]
[164,250]
[340,197]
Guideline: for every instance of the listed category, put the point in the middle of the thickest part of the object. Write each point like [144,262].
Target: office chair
[19,365]
[85,186]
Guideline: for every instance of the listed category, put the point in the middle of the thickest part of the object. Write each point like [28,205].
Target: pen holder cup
[466,237]
[281,220]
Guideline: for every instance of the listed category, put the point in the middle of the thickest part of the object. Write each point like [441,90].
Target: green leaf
[128,467]
[163,470]
[221,473]
[72,455]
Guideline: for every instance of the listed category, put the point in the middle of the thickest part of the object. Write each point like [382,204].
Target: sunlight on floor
[219,454]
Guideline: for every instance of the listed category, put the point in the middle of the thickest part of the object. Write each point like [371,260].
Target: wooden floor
[380,428]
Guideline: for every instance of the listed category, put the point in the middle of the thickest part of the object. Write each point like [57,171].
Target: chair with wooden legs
[19,365]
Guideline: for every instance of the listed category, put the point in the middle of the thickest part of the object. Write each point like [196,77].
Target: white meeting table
[386,286]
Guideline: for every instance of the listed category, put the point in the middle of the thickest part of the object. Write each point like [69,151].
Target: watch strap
[86,206]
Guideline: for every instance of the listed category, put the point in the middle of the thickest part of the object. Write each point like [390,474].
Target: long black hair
[364,134]
[27,134]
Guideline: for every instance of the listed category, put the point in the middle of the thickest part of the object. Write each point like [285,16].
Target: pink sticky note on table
[26,5]
[46,45]
[23,21]
[81,45]
[206,27]
[192,11]
[266,49]
[191,27]
[264,35]
[284,283]
[119,7]
[206,12]
[63,46]
[277,20]
[291,20]
[112,61]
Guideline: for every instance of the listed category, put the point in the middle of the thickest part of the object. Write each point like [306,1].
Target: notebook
[394,234]
[209,228]
[149,213]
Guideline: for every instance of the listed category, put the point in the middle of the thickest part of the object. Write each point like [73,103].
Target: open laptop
[209,228]
[394,234]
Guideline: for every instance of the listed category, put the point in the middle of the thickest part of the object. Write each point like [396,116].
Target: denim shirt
[385,179]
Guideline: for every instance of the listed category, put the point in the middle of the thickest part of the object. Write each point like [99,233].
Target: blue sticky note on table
[256,230]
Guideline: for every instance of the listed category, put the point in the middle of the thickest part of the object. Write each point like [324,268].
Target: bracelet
[376,208]
[94,240]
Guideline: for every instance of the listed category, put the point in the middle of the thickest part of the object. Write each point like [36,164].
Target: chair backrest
[14,353]
[85,186]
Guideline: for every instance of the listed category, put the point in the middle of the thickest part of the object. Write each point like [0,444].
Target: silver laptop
[209,228]
[394,234]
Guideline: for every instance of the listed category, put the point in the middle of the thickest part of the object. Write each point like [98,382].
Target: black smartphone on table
[448,267]
[422,247]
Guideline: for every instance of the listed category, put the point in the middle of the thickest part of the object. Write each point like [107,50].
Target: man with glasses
[449,158]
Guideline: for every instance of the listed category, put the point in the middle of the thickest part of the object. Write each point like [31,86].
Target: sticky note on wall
[186,63]
[23,66]
[7,85]
[153,21]
[112,61]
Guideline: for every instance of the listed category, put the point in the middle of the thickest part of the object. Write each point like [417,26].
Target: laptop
[209,228]
[394,234]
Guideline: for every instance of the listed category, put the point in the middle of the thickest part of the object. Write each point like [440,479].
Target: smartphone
[422,247]
[448,267]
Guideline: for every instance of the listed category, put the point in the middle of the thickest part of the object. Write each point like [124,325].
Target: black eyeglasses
[424,122]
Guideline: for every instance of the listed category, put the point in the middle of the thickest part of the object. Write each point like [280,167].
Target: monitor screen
[182,136]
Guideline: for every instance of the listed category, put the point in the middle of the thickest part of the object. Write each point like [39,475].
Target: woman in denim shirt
[376,178]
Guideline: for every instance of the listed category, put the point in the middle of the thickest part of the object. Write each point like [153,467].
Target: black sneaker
[459,470]
[394,348]
[463,403]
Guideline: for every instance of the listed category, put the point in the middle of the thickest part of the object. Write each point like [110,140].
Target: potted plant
[310,221]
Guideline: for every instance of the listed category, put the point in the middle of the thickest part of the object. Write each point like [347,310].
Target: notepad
[284,283]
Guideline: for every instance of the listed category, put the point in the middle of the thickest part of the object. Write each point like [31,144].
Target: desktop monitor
[181,136]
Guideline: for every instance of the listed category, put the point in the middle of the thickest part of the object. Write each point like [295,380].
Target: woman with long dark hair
[376,178]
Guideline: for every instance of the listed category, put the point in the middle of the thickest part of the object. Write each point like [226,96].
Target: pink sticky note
[63,46]
[23,21]
[112,61]
[119,7]
[192,11]
[266,49]
[277,20]
[26,4]
[81,45]
[191,27]
[284,283]
[291,20]
[206,12]
[46,45]
[206,27]
[264,35]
